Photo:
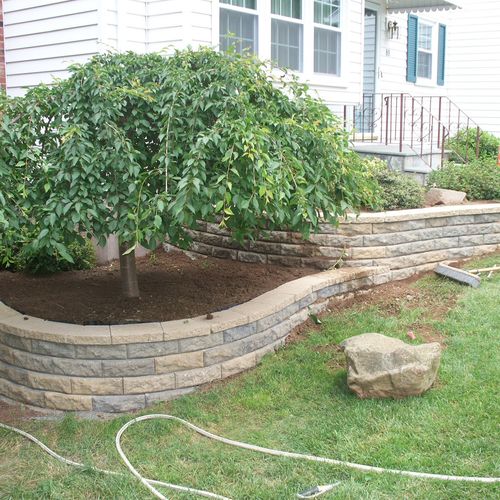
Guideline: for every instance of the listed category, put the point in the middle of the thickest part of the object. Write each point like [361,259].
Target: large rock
[436,196]
[384,367]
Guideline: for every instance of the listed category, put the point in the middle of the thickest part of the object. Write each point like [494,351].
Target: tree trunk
[128,273]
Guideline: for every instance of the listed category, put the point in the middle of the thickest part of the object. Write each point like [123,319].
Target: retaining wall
[127,367]
[405,240]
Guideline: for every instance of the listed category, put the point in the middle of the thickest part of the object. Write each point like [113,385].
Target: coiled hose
[151,483]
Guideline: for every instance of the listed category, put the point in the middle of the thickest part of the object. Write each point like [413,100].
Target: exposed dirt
[173,286]
[389,298]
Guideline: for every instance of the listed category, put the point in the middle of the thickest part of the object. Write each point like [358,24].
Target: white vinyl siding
[75,30]
[42,38]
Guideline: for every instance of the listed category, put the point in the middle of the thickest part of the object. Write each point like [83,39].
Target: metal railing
[422,124]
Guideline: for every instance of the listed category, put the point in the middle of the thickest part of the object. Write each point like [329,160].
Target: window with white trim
[327,36]
[424,50]
[287,33]
[238,25]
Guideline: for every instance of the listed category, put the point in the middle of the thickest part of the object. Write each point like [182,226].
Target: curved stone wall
[405,240]
[127,367]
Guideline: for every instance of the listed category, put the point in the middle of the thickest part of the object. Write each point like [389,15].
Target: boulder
[385,367]
[436,196]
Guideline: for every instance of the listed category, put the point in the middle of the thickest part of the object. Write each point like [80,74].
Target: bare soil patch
[173,286]
[389,299]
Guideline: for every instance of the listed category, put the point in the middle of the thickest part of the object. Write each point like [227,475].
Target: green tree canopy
[143,146]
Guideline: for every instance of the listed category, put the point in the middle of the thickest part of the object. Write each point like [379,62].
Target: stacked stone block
[405,240]
[127,367]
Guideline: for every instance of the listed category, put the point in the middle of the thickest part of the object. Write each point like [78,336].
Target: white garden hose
[150,483]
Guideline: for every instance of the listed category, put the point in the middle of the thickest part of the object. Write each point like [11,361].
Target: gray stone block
[307,300]
[152,349]
[329,291]
[101,351]
[114,404]
[277,317]
[471,240]
[53,349]
[240,332]
[225,253]
[396,227]
[490,239]
[15,341]
[252,257]
[128,367]
[487,217]
[199,343]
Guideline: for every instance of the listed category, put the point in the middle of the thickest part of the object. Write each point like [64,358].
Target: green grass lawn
[297,400]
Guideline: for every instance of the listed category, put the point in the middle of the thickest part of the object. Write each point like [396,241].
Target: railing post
[467,141]
[401,123]
[345,116]
[442,145]
[478,139]
[421,129]
[412,120]
[439,118]
[387,121]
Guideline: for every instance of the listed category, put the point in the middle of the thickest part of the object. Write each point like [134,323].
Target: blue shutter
[411,64]
[441,54]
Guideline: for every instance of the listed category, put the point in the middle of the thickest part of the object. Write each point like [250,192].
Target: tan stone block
[179,362]
[199,376]
[93,386]
[153,383]
[186,328]
[229,318]
[136,333]
[22,394]
[6,312]
[57,383]
[68,402]
[368,252]
[354,229]
[238,365]
[53,331]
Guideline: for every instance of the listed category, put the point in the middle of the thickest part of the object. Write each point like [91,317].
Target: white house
[365,58]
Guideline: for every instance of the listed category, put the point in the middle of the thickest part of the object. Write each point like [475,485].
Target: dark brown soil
[173,286]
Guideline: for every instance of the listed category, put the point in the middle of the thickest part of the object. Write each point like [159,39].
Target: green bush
[396,191]
[480,179]
[19,256]
[463,145]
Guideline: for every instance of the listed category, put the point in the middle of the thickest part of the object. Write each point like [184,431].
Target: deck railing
[421,123]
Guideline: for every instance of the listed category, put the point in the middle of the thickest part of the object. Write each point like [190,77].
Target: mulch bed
[173,286]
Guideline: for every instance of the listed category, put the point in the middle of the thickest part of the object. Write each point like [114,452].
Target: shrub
[480,179]
[463,145]
[396,191]
[18,255]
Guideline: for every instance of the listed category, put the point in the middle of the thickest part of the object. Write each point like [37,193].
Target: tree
[143,147]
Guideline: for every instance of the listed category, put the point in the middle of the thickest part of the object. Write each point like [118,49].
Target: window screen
[288,8]
[286,44]
[327,12]
[326,51]
[238,29]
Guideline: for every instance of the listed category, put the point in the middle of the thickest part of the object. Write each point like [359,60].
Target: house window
[424,51]
[327,36]
[238,25]
[287,33]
